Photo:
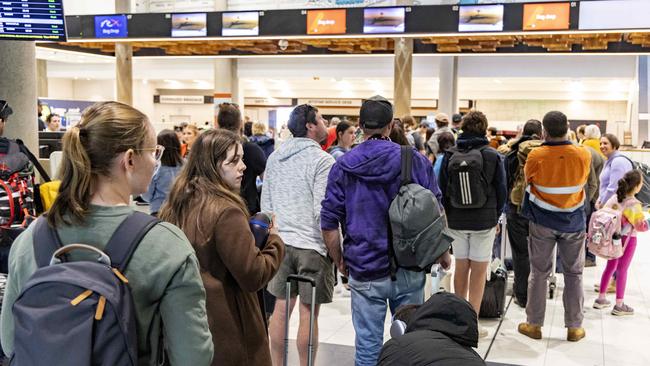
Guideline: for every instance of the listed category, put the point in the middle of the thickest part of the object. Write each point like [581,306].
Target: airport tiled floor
[610,341]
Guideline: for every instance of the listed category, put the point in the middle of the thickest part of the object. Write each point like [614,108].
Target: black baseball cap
[376,112]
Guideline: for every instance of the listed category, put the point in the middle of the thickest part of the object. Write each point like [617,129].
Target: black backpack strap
[126,238]
[407,164]
[34,160]
[46,241]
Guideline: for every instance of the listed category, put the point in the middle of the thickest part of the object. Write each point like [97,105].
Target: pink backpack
[603,226]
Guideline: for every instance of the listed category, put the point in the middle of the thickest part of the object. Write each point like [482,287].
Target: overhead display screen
[611,15]
[548,16]
[326,21]
[383,20]
[32,20]
[189,25]
[111,26]
[480,18]
[246,23]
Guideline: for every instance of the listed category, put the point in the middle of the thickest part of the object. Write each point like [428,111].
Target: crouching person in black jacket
[440,332]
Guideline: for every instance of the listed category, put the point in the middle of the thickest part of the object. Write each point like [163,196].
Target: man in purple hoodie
[360,188]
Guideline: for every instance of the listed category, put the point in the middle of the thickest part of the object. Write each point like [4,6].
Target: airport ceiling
[461,44]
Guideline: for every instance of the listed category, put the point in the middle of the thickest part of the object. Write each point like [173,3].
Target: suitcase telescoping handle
[312,282]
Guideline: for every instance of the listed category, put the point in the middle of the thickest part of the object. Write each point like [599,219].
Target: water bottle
[616,239]
[260,224]
[437,274]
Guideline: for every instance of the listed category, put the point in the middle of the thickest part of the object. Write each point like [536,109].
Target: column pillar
[123,62]
[41,78]
[639,111]
[403,76]
[448,85]
[18,88]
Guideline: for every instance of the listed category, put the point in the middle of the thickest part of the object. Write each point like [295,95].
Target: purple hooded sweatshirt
[360,188]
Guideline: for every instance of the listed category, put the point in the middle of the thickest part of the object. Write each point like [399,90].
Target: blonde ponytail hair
[106,130]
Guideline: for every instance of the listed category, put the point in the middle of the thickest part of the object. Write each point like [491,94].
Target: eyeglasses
[157,151]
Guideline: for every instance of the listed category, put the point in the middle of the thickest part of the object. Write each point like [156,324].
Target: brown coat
[233,269]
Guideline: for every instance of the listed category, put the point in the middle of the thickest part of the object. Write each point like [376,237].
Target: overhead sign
[547,16]
[111,26]
[480,18]
[268,102]
[180,99]
[32,20]
[189,25]
[383,20]
[245,23]
[326,22]
[611,15]
[324,102]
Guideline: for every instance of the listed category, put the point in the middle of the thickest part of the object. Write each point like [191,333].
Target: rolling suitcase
[298,279]
[494,295]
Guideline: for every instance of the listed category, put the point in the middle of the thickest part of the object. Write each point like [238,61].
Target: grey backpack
[416,222]
[78,313]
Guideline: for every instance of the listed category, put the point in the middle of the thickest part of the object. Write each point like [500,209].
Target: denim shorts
[475,245]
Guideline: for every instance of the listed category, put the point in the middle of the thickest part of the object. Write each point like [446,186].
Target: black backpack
[467,186]
[79,313]
[644,193]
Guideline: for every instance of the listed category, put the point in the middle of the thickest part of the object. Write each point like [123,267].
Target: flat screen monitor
[546,16]
[111,26]
[245,23]
[480,18]
[49,142]
[32,20]
[611,15]
[383,20]
[326,21]
[189,25]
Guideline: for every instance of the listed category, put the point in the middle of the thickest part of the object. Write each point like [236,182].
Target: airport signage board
[268,102]
[325,102]
[111,26]
[326,21]
[597,15]
[32,20]
[546,16]
[189,25]
[181,99]
[383,20]
[244,23]
[480,18]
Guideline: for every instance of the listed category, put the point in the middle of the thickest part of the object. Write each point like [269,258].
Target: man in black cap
[294,186]
[360,189]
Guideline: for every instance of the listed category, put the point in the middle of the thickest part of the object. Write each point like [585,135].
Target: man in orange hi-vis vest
[556,173]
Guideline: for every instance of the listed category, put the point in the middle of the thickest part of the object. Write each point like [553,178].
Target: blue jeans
[369,300]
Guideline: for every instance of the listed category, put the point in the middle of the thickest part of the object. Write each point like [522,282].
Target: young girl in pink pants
[633,221]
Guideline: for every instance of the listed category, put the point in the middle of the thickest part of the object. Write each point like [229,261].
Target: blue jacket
[360,189]
[160,185]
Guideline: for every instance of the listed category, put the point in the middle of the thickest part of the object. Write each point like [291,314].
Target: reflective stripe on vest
[558,190]
[547,206]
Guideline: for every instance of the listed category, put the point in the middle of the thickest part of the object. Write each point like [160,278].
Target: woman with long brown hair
[109,156]
[205,203]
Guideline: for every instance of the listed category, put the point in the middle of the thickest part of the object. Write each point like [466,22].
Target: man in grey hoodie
[294,186]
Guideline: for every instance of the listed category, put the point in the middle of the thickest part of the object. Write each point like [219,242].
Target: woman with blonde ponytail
[110,156]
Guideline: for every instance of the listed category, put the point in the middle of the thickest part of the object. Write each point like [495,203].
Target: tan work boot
[575,334]
[530,330]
